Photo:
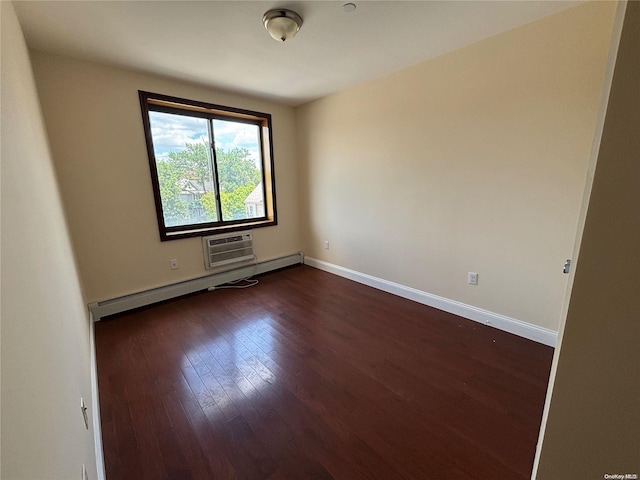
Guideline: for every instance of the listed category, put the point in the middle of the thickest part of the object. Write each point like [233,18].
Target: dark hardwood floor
[311,376]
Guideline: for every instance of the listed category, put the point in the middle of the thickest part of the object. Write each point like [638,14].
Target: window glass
[211,166]
[183,162]
[239,161]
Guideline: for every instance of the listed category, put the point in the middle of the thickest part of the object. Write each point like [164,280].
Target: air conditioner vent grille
[222,250]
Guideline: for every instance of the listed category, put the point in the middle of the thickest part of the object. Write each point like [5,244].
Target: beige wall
[93,118]
[473,161]
[45,328]
[593,420]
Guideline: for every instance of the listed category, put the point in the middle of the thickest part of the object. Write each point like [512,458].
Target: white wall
[474,161]
[93,119]
[592,419]
[45,329]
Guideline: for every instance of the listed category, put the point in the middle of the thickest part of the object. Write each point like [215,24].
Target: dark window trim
[181,106]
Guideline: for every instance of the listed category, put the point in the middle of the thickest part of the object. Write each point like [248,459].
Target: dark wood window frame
[180,106]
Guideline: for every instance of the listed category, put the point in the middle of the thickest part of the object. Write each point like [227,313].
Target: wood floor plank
[311,376]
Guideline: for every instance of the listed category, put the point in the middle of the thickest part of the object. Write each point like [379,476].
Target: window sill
[201,232]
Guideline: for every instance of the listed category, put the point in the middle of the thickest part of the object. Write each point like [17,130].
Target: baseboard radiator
[140,299]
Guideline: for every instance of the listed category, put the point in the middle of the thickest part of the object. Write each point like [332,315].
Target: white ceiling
[224,44]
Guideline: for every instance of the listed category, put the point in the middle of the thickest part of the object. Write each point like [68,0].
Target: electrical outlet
[326,244]
[472,278]
[173,263]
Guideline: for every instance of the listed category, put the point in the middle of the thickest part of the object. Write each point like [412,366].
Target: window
[211,166]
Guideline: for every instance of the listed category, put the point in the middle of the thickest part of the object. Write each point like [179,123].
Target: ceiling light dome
[282,24]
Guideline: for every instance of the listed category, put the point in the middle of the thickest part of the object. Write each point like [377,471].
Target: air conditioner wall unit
[226,249]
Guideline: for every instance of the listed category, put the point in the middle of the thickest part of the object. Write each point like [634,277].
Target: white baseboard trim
[95,404]
[501,322]
[159,294]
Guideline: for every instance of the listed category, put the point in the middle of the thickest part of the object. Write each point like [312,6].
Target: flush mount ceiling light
[282,24]
[349,7]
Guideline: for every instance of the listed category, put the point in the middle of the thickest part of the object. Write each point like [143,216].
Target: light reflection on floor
[231,368]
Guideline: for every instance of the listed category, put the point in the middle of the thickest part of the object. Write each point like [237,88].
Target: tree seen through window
[188,189]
